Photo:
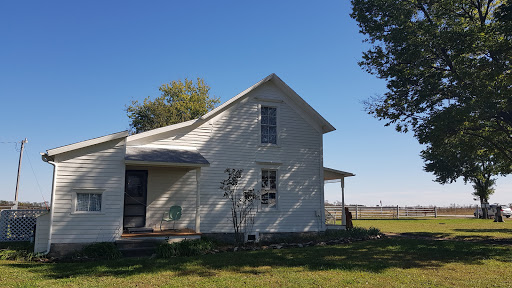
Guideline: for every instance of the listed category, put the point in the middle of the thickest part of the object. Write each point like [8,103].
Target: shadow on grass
[373,256]
[506,231]
[434,235]
[400,219]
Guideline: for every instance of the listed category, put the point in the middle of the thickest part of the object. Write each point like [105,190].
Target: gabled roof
[326,126]
[86,143]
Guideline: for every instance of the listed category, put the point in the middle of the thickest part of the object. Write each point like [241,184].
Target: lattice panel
[18,225]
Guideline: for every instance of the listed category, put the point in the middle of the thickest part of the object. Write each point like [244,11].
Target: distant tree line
[25,204]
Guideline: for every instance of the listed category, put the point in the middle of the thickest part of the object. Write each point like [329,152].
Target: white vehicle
[505,210]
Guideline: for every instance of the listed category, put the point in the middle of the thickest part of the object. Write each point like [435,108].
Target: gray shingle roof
[165,155]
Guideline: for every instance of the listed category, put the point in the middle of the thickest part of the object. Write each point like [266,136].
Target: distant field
[455,211]
[392,262]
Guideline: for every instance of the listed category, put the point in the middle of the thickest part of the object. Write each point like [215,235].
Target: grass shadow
[477,230]
[374,256]
[434,235]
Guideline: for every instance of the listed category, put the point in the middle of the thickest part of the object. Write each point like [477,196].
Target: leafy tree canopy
[447,67]
[179,102]
[461,156]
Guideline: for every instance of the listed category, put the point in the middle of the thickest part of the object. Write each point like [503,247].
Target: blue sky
[68,69]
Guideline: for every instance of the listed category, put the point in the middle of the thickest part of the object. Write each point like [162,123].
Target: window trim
[278,113]
[87,191]
[260,205]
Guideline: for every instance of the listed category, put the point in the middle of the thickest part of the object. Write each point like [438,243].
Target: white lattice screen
[18,225]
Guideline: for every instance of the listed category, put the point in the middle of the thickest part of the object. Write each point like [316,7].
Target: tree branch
[443,50]
[493,143]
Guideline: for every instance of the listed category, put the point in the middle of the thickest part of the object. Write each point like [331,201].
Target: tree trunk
[483,205]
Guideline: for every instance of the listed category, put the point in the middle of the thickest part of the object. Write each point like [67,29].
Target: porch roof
[332,174]
[175,156]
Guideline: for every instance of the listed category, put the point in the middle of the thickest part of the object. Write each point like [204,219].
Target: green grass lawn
[464,228]
[394,262]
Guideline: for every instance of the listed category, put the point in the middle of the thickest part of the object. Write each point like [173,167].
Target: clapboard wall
[96,168]
[231,139]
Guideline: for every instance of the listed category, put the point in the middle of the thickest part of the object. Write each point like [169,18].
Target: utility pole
[23,142]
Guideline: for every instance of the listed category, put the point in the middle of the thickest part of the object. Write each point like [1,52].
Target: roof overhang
[168,156]
[86,143]
[332,174]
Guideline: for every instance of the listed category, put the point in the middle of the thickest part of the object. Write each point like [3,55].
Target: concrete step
[138,252]
[146,246]
[140,230]
[137,247]
[137,243]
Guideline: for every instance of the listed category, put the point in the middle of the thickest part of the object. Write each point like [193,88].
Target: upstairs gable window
[268,125]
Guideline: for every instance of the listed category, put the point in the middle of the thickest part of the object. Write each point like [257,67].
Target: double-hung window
[268,188]
[268,125]
[88,202]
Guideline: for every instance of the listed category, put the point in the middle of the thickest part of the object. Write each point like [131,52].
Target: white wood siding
[99,166]
[168,187]
[232,139]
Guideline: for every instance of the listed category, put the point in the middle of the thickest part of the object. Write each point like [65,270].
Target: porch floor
[163,233]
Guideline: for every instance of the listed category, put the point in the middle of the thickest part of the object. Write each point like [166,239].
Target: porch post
[198,201]
[344,217]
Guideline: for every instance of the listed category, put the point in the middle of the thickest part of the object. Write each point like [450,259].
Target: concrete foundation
[60,250]
[265,237]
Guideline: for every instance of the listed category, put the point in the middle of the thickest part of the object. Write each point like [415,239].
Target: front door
[135,198]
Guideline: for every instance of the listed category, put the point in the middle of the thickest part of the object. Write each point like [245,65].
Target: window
[88,202]
[268,188]
[268,125]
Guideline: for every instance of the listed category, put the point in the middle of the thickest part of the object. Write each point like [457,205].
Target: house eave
[86,143]
[163,129]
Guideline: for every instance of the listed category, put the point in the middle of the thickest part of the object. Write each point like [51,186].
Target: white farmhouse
[109,185]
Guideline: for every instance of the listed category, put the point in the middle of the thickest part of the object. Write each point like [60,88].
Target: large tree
[461,156]
[180,101]
[447,67]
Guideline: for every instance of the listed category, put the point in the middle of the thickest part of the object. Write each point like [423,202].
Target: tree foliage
[455,157]
[179,102]
[447,67]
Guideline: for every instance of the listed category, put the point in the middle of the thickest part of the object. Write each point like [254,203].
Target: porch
[337,176]
[145,243]
[157,178]
[164,234]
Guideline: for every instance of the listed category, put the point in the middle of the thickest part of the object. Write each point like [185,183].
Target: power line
[35,176]
[11,142]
